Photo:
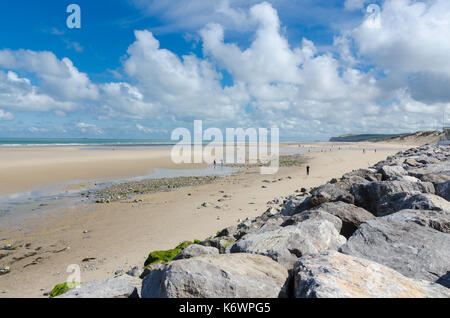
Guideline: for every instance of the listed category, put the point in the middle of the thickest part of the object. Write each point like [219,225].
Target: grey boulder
[350,215]
[415,251]
[124,286]
[331,193]
[314,215]
[401,201]
[335,275]
[226,275]
[443,190]
[286,244]
[389,172]
[438,220]
[196,250]
[369,196]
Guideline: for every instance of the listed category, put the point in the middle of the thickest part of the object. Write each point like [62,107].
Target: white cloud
[59,78]
[6,115]
[18,93]
[84,127]
[37,130]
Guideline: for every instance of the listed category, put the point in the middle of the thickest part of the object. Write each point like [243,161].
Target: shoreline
[119,235]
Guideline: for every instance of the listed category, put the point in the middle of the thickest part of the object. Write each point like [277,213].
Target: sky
[141,68]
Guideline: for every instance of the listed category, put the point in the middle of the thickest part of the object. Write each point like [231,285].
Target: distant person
[375,150]
[215,163]
[364,150]
[307,170]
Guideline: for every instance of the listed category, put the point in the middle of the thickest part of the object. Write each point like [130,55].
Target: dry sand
[120,235]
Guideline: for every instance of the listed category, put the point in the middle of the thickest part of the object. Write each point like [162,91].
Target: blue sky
[140,68]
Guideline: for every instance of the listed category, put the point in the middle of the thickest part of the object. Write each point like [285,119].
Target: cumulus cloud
[178,87]
[58,78]
[6,115]
[85,127]
[18,93]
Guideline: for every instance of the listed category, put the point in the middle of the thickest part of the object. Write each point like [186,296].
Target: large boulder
[435,177]
[220,243]
[124,286]
[335,275]
[367,174]
[221,276]
[314,215]
[325,193]
[286,244]
[369,196]
[443,190]
[389,172]
[196,250]
[331,193]
[438,220]
[295,205]
[347,183]
[350,215]
[415,251]
[401,201]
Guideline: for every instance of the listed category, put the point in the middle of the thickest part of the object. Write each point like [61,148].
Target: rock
[221,243]
[389,172]
[118,272]
[335,275]
[401,201]
[347,183]
[435,177]
[432,169]
[406,179]
[228,231]
[294,206]
[147,270]
[412,162]
[367,174]
[123,286]
[134,271]
[5,270]
[227,275]
[350,215]
[331,193]
[313,215]
[196,250]
[286,244]
[443,190]
[415,251]
[438,220]
[369,196]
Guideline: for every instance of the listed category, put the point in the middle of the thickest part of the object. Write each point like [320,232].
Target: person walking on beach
[215,163]
[307,170]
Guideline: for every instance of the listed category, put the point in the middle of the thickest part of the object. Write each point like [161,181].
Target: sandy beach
[104,238]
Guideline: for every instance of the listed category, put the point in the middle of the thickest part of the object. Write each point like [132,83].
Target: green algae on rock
[62,288]
[162,257]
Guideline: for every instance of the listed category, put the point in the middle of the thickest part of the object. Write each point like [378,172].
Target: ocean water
[21,142]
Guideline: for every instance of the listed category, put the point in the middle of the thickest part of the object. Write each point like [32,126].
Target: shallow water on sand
[15,207]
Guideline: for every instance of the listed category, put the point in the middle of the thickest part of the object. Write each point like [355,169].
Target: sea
[23,142]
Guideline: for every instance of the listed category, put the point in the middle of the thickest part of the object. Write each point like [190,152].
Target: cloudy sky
[140,68]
